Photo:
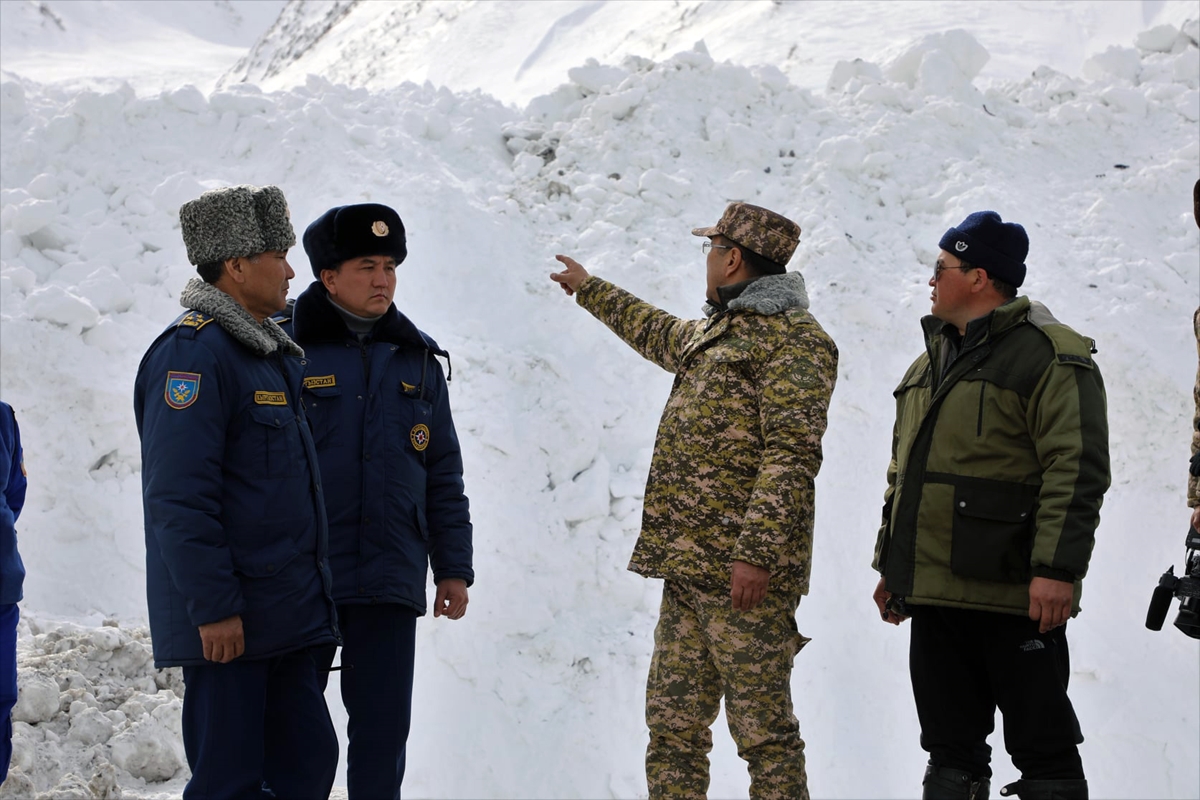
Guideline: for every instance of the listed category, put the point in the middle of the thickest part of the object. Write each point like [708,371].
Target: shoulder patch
[182,389]
[1067,358]
[270,398]
[194,319]
[320,381]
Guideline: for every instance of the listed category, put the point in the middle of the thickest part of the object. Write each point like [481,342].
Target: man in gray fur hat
[727,521]
[237,579]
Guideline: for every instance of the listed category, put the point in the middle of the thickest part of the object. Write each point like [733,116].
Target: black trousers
[378,650]
[966,663]
[250,724]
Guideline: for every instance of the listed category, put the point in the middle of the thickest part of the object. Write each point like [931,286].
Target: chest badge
[182,389]
[270,398]
[419,436]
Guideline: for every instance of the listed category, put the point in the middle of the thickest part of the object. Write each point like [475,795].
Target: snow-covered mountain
[537,693]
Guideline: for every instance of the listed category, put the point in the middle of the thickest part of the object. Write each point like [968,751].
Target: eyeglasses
[704,248]
[938,269]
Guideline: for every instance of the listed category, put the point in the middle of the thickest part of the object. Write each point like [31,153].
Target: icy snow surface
[538,692]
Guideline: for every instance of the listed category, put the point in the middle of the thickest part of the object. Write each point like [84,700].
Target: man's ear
[329,281]
[735,261]
[233,268]
[981,281]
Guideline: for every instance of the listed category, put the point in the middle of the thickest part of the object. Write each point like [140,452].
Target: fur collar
[768,295]
[261,339]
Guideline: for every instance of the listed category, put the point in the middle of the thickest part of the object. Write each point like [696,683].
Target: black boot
[1047,790]
[944,783]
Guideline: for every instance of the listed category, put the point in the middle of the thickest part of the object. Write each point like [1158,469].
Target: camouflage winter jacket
[1194,479]
[739,443]
[999,463]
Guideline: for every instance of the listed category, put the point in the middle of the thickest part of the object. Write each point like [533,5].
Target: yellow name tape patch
[270,398]
[320,381]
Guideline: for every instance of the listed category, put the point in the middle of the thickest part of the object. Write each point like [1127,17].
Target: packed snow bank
[543,679]
[94,719]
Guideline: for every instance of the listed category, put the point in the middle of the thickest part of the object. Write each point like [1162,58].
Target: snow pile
[516,51]
[543,679]
[94,719]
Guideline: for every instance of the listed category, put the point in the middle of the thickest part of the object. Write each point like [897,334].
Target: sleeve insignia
[182,389]
[419,436]
[270,398]
[320,381]
[194,319]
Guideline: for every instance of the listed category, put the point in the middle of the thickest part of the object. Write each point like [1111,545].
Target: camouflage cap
[773,236]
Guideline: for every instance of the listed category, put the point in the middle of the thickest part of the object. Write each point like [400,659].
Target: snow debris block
[175,191]
[55,304]
[1115,62]
[90,727]
[1125,98]
[147,750]
[845,71]
[12,101]
[33,215]
[37,697]
[187,98]
[621,104]
[595,77]
[1162,39]
[43,186]
[655,180]
[105,290]
[942,64]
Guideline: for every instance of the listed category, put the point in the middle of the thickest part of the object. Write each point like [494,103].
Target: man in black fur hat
[380,413]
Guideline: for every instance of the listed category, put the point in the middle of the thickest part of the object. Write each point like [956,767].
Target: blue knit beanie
[346,232]
[986,241]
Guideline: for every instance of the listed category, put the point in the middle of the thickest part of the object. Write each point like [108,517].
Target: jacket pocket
[992,537]
[277,441]
[322,407]
[263,551]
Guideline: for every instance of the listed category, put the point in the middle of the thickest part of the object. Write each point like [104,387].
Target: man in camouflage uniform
[1193,495]
[728,512]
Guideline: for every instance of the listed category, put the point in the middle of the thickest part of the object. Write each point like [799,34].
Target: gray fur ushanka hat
[236,221]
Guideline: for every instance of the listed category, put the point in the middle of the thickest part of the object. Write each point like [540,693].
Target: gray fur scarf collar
[261,339]
[770,294]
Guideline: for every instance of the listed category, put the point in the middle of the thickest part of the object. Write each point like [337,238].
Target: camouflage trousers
[704,651]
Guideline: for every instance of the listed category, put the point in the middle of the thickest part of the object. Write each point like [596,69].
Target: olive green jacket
[739,442]
[999,463]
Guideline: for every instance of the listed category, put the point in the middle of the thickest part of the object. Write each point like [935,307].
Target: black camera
[1186,588]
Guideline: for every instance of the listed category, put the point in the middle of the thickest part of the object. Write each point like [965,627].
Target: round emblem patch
[960,246]
[419,436]
[379,228]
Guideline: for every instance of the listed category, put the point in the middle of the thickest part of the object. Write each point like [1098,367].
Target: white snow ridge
[504,133]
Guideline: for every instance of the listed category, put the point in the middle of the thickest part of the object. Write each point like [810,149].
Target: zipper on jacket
[979,425]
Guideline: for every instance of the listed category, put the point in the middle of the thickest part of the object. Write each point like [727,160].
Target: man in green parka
[727,520]
[999,466]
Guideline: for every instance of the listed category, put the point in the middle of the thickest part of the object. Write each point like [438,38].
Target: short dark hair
[1004,288]
[758,265]
[211,272]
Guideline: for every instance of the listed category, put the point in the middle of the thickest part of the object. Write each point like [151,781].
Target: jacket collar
[766,295]
[998,321]
[263,339]
[314,319]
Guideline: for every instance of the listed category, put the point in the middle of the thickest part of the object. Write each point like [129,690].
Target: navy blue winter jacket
[232,498]
[380,416]
[12,498]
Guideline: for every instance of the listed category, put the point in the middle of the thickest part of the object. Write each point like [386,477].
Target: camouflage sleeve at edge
[1193,494]
[656,335]
[795,389]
